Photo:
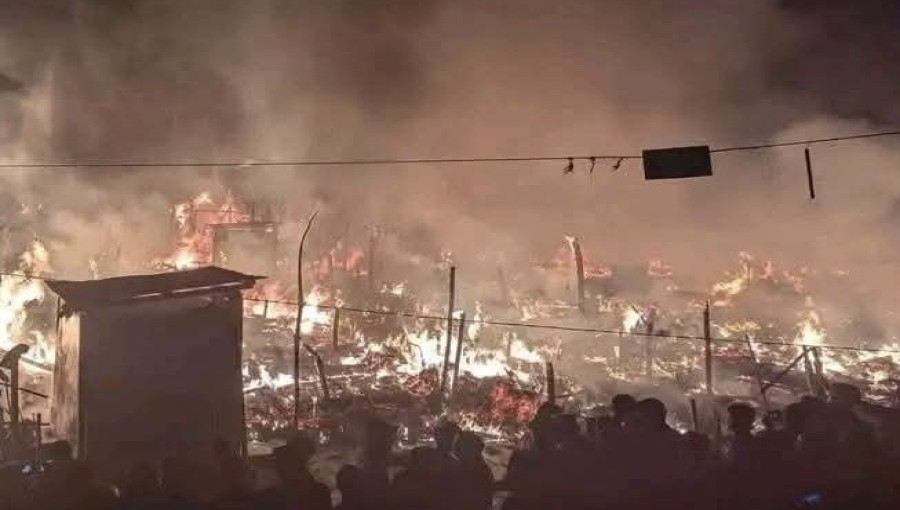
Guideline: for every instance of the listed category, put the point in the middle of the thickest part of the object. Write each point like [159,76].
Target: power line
[417,161]
[549,327]
[575,329]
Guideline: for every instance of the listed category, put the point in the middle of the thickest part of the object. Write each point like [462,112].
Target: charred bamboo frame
[708,355]
[575,244]
[695,416]
[335,326]
[810,181]
[301,304]
[809,371]
[648,342]
[551,383]
[757,370]
[778,377]
[460,338]
[373,247]
[320,370]
[451,304]
[822,387]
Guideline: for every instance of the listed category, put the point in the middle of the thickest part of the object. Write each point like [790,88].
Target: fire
[196,220]
[17,294]
[631,320]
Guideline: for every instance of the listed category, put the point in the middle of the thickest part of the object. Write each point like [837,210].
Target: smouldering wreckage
[377,346]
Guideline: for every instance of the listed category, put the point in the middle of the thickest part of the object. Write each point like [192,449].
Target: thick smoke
[157,81]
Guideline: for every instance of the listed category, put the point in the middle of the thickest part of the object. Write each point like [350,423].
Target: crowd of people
[815,453]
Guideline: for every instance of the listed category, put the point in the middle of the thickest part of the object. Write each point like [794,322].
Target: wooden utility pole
[450,306]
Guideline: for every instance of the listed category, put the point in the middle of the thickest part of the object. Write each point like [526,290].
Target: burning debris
[377,343]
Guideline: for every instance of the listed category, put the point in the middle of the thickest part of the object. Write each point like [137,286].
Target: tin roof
[81,294]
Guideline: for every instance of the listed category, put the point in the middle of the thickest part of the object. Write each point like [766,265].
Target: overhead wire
[549,327]
[289,163]
[576,329]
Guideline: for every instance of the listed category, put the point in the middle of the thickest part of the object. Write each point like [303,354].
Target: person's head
[542,425]
[741,418]
[176,477]
[303,447]
[469,446]
[444,435]
[221,449]
[650,414]
[350,482]
[845,395]
[58,451]
[424,460]
[795,418]
[697,443]
[380,437]
[288,464]
[592,426]
[773,420]
[622,405]
[566,428]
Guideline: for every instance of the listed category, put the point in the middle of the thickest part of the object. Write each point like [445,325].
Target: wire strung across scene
[593,158]
[551,327]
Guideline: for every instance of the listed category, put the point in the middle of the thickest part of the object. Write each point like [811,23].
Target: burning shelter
[149,365]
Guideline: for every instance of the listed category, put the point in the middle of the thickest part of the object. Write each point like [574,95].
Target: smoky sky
[165,80]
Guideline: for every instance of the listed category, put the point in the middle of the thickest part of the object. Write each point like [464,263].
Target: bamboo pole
[335,326]
[579,272]
[708,355]
[15,419]
[648,342]
[301,304]
[320,369]
[450,306]
[370,269]
[784,371]
[822,382]
[695,416]
[808,371]
[551,383]
[38,438]
[809,174]
[758,373]
[460,338]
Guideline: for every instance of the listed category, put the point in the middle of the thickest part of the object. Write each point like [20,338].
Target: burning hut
[149,365]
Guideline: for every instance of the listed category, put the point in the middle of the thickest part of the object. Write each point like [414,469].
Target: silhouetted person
[420,486]
[379,443]
[700,451]
[351,484]
[178,485]
[612,437]
[525,474]
[744,449]
[476,481]
[655,456]
[140,489]
[622,405]
[444,437]
[233,478]
[297,489]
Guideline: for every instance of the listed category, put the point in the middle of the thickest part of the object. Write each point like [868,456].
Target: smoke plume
[231,81]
